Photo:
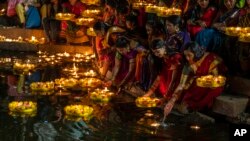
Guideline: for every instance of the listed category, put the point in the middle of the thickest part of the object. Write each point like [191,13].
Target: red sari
[76,9]
[166,75]
[207,17]
[198,98]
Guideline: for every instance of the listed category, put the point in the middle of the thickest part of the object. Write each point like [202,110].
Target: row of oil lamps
[29,65]
[74,112]
[29,109]
[159,10]
[243,33]
[32,40]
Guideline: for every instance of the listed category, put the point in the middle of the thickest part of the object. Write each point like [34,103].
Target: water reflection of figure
[44,128]
[74,130]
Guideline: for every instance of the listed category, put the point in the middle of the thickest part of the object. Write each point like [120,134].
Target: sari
[207,17]
[76,9]
[198,98]
[124,68]
[166,75]
[212,39]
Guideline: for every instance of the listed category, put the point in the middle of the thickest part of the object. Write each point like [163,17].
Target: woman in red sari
[75,7]
[200,63]
[169,74]
[201,17]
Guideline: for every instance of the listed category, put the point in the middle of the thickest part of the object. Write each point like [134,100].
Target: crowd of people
[165,55]
[161,55]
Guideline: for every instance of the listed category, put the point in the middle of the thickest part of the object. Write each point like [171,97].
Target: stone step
[66,48]
[229,105]
[14,32]
[50,48]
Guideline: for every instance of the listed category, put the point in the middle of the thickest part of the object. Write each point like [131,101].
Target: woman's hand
[108,83]
[219,26]
[168,108]
[148,93]
[191,22]
[202,23]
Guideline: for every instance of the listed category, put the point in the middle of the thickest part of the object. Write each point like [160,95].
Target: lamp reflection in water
[195,127]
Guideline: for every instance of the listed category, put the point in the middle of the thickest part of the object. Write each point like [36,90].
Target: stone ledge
[230,106]
[15,32]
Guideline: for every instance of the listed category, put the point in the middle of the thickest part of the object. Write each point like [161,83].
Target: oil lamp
[74,111]
[101,95]
[211,81]
[23,108]
[65,16]
[90,73]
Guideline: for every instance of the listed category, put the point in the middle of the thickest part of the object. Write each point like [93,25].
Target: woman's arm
[154,86]
[173,77]
[178,91]
[116,69]
[131,69]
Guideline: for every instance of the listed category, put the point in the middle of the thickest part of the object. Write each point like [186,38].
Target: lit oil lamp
[44,56]
[245,37]
[92,56]
[70,83]
[2,12]
[90,73]
[91,12]
[75,75]
[155,124]
[85,21]
[90,82]
[195,127]
[91,2]
[87,59]
[174,11]
[33,40]
[8,40]
[165,12]
[42,86]
[101,95]
[20,39]
[152,9]
[138,5]
[146,102]
[65,16]
[60,54]
[245,30]
[39,52]
[23,67]
[83,111]
[91,32]
[2,38]
[78,55]
[211,81]
[41,40]
[65,54]
[233,31]
[23,108]
[47,59]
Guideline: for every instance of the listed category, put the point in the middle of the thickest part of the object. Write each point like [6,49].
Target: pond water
[118,120]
